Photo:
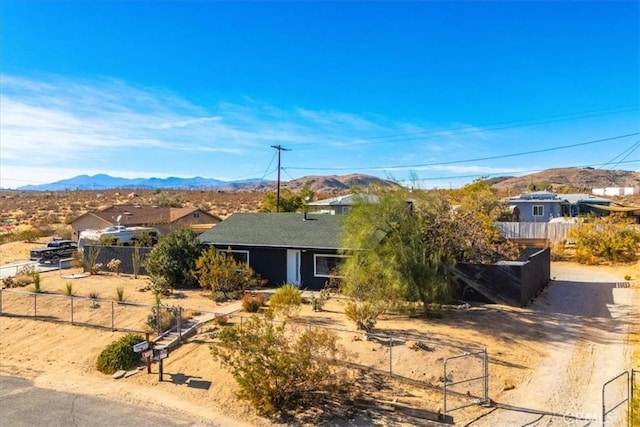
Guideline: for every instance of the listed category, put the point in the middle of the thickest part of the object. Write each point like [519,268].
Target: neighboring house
[340,205]
[543,206]
[165,219]
[302,249]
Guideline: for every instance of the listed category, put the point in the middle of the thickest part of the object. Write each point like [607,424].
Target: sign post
[161,354]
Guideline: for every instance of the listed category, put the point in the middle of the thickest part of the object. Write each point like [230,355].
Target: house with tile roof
[301,249]
[165,219]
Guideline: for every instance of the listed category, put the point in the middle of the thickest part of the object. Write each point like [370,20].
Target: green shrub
[120,294]
[37,283]
[168,318]
[286,301]
[251,303]
[363,313]
[277,370]
[68,289]
[119,355]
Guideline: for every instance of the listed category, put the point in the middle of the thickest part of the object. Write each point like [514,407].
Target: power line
[477,159]
[468,129]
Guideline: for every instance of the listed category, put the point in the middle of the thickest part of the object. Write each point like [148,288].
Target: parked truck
[56,250]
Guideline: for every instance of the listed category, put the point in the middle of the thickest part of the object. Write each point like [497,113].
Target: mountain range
[558,179]
[105,182]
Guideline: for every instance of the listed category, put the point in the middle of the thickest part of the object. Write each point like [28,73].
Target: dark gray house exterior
[282,247]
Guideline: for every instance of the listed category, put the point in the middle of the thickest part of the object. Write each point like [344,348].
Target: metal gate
[621,396]
[484,377]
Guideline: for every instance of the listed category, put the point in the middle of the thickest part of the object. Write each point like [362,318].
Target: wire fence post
[179,325]
[71,298]
[391,354]
[486,376]
[35,305]
[113,317]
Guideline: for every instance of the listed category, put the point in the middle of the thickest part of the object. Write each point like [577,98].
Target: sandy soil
[547,362]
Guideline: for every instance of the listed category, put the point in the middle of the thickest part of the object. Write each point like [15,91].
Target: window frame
[235,251]
[315,264]
[540,208]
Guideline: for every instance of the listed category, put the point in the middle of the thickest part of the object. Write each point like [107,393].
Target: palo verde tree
[289,201]
[223,274]
[171,262]
[405,246]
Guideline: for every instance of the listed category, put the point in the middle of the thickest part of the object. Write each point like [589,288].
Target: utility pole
[280,150]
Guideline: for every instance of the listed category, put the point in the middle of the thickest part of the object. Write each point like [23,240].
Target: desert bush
[68,289]
[277,370]
[119,355]
[114,266]
[28,234]
[168,318]
[27,270]
[90,260]
[251,303]
[611,238]
[120,294]
[136,259]
[363,313]
[37,283]
[221,272]
[319,300]
[286,301]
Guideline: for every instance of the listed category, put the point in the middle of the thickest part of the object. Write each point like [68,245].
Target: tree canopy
[171,262]
[405,246]
[289,201]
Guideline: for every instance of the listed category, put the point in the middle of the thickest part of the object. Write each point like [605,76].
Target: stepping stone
[131,373]
[119,374]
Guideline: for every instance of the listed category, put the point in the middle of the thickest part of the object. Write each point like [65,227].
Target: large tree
[405,246]
[171,262]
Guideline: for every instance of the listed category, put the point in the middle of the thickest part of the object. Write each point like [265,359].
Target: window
[326,265]
[538,210]
[239,256]
[196,214]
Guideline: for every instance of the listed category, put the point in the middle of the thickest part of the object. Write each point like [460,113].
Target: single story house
[340,205]
[296,248]
[165,219]
[543,206]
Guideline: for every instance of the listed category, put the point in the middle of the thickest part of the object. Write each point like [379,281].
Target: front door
[293,267]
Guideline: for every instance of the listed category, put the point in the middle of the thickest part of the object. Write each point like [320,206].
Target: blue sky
[433,92]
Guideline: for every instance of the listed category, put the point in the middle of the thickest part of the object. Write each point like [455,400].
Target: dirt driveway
[584,317]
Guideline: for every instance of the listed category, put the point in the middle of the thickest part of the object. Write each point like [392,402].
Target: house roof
[584,198]
[348,200]
[144,214]
[277,230]
[545,196]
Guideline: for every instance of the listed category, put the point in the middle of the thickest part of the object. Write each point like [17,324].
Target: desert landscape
[547,362]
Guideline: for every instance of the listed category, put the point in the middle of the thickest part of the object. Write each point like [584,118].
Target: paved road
[23,404]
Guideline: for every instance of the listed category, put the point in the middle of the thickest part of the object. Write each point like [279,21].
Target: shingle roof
[277,230]
[145,215]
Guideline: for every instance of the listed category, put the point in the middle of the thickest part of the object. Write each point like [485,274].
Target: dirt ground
[547,362]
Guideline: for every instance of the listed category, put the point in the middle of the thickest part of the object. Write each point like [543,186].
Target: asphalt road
[23,404]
